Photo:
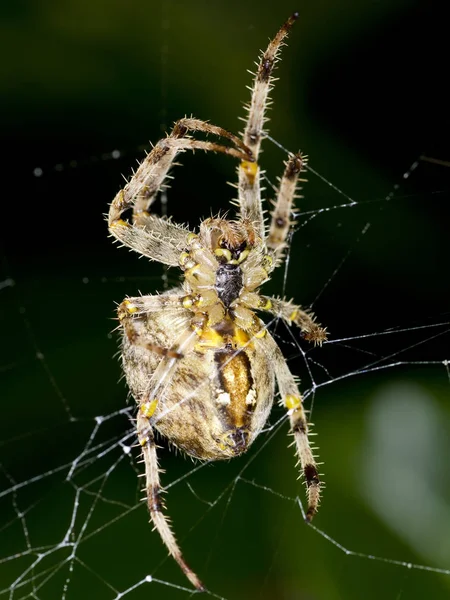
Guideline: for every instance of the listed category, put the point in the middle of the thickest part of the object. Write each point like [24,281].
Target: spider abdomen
[218,404]
[219,398]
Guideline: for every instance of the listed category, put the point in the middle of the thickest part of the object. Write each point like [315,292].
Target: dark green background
[362,93]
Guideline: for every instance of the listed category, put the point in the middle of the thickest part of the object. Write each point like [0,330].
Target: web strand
[93,495]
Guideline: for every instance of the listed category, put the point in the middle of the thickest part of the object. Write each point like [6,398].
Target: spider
[199,362]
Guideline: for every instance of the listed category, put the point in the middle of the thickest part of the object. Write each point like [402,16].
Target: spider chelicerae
[199,362]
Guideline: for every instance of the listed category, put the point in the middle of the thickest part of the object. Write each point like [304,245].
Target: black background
[362,92]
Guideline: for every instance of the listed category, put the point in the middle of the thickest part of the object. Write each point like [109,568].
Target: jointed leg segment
[141,190]
[148,404]
[292,313]
[141,305]
[281,222]
[150,235]
[292,401]
[154,500]
[261,88]
[129,312]
[249,187]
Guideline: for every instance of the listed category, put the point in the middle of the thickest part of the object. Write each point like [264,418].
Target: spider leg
[292,313]
[249,185]
[142,188]
[289,312]
[150,235]
[291,399]
[130,313]
[137,335]
[146,195]
[139,305]
[154,500]
[281,222]
[160,240]
[131,309]
[162,376]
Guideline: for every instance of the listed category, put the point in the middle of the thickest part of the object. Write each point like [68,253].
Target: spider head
[230,241]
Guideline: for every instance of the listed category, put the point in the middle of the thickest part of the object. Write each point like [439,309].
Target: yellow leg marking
[199,300]
[293,315]
[292,402]
[240,338]
[223,252]
[267,305]
[191,238]
[130,307]
[120,200]
[142,213]
[186,261]
[267,261]
[193,270]
[187,302]
[210,338]
[120,223]
[250,169]
[261,333]
[243,256]
[148,408]
[184,256]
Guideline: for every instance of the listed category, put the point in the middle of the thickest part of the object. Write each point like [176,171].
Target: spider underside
[199,362]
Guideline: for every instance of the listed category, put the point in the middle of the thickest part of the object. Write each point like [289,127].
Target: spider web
[370,260]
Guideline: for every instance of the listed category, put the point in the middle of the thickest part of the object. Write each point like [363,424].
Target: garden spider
[199,362]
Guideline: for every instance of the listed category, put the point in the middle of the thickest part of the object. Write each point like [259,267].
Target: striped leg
[249,188]
[150,235]
[154,500]
[292,401]
[150,409]
[142,188]
[131,311]
[281,222]
[294,314]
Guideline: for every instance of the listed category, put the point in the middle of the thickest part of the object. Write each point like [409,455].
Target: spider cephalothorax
[199,362]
